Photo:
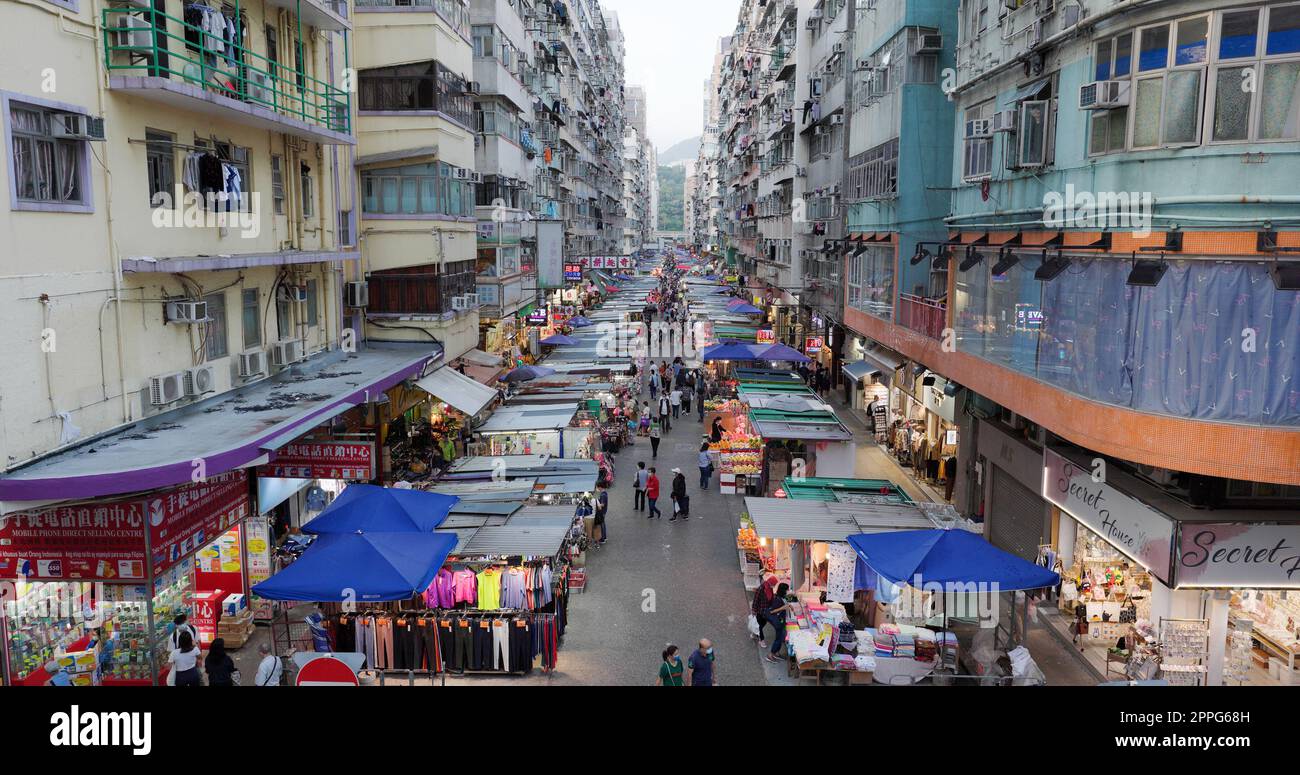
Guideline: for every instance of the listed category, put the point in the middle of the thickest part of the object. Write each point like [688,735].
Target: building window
[277,183]
[217,342]
[283,318]
[305,175]
[160,159]
[252,318]
[873,174]
[313,303]
[435,188]
[420,86]
[871,281]
[977,152]
[46,169]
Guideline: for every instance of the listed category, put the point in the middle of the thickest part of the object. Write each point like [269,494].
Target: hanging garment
[212,177]
[441,593]
[464,587]
[233,186]
[501,644]
[489,590]
[521,640]
[512,589]
[481,658]
[190,171]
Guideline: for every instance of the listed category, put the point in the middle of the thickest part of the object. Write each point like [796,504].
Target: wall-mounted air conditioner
[187,313]
[166,389]
[77,126]
[929,43]
[252,364]
[133,32]
[1004,121]
[356,295]
[458,304]
[287,353]
[1104,95]
[200,381]
[292,293]
[460,173]
[837,119]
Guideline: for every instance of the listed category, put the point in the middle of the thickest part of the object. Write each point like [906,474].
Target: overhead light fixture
[951,389]
[1052,268]
[1286,275]
[920,255]
[928,380]
[1147,273]
[1006,260]
[972,260]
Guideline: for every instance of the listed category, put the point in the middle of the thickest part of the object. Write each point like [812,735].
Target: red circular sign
[326,671]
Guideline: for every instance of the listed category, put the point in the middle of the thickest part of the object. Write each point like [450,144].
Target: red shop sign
[105,540]
[348,460]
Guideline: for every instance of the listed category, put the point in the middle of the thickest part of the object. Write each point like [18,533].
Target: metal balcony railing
[926,316]
[147,42]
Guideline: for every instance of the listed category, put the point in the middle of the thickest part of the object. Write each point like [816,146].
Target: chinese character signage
[106,540]
[813,344]
[572,271]
[765,336]
[352,461]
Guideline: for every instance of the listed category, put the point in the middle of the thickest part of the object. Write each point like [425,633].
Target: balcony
[404,292]
[925,316]
[161,58]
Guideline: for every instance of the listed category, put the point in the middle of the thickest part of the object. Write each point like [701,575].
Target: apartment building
[415,168]
[177,219]
[1095,321]
[705,197]
[639,170]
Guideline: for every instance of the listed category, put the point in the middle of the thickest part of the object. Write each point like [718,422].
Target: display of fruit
[746,538]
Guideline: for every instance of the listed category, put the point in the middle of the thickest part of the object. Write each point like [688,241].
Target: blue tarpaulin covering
[744,309]
[947,556]
[383,510]
[361,567]
[729,351]
[580,322]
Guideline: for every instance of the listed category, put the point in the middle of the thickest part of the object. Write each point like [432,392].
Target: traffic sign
[327,671]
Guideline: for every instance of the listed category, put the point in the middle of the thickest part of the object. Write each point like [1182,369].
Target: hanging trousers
[521,646]
[429,646]
[384,642]
[500,644]
[408,648]
[452,646]
[481,658]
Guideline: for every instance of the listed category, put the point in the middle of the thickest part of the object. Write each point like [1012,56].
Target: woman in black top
[716,435]
[218,665]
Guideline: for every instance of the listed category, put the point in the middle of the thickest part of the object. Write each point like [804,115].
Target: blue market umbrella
[948,556]
[580,322]
[527,373]
[383,510]
[781,352]
[559,340]
[744,309]
[361,567]
[729,351]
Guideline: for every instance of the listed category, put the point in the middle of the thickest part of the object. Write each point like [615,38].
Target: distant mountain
[686,150]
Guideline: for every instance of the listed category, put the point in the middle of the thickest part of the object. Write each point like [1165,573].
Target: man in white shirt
[676,399]
[181,624]
[270,668]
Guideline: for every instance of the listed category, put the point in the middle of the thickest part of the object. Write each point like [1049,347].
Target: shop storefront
[95,586]
[1156,588]
[869,370]
[923,436]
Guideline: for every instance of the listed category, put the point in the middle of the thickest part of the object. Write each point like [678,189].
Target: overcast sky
[670,46]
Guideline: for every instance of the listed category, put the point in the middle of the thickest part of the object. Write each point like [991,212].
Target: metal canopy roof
[819,521]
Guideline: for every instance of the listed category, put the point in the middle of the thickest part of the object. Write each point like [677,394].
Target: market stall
[546,429]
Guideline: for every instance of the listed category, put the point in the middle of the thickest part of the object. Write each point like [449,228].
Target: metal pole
[148,605]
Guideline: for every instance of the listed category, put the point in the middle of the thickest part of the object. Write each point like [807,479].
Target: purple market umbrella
[559,340]
[527,373]
[781,352]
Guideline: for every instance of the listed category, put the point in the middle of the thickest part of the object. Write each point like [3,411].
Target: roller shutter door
[1016,517]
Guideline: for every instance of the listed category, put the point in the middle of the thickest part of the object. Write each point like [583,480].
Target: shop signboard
[257,546]
[572,271]
[936,400]
[105,541]
[1134,528]
[347,460]
[93,541]
[537,317]
[1239,555]
[813,345]
[550,254]
[765,336]
[188,518]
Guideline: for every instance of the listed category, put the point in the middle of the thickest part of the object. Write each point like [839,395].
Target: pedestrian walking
[687,395]
[654,439]
[699,406]
[219,666]
[776,610]
[701,666]
[761,602]
[184,660]
[706,466]
[681,501]
[646,417]
[654,384]
[672,670]
[666,412]
[675,400]
[652,495]
[602,510]
[638,504]
[270,669]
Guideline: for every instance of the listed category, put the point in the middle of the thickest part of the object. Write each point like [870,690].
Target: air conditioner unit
[356,295]
[838,48]
[979,127]
[801,172]
[187,312]
[294,293]
[476,177]
[166,389]
[261,87]
[462,174]
[133,32]
[1070,16]
[458,304]
[473,88]
[862,64]
[200,381]
[471,299]
[1004,121]
[252,364]
[929,43]
[1103,95]
[837,119]
[287,353]
[77,126]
